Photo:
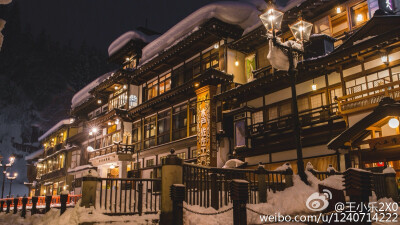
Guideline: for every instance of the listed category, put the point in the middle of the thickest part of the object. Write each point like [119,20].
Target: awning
[358,132]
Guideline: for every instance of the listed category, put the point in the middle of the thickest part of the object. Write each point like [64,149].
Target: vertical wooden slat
[101,191]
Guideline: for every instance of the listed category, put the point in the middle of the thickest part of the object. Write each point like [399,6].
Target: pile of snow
[83,95]
[75,216]
[5,2]
[330,169]
[309,166]
[292,200]
[284,167]
[389,170]
[128,36]
[190,218]
[243,14]
[34,155]
[334,181]
[233,163]
[54,128]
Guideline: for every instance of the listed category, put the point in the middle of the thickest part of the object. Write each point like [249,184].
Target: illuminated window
[165,83]
[118,100]
[359,14]
[164,126]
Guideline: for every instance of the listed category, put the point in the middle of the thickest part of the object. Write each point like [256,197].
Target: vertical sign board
[388,6]
[206,127]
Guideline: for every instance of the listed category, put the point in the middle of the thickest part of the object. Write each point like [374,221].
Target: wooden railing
[367,99]
[207,186]
[118,148]
[128,196]
[308,117]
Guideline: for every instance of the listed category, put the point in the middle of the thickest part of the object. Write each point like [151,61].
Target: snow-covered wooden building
[206,88]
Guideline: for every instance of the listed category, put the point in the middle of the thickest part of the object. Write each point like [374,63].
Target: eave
[209,33]
[183,92]
[132,48]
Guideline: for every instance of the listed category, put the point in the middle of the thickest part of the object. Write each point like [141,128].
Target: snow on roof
[5,2]
[83,95]
[35,154]
[243,14]
[125,38]
[54,128]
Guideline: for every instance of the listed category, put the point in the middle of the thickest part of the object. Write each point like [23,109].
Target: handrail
[383,86]
[41,200]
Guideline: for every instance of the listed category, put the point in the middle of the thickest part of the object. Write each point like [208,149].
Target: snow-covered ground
[75,216]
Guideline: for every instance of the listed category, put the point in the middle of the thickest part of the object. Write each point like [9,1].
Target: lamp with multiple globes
[6,174]
[301,30]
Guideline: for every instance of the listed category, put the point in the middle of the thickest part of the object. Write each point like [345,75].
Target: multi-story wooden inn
[206,89]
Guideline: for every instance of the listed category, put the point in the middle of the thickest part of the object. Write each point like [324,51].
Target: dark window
[179,122]
[149,132]
[164,120]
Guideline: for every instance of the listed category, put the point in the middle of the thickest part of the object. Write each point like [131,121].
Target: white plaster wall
[333,78]
[394,56]
[278,96]
[352,70]
[305,87]
[372,63]
[254,160]
[237,71]
[256,103]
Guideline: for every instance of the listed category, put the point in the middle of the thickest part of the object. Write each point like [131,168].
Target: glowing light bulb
[116,87]
[94,130]
[90,133]
[236,63]
[301,28]
[112,166]
[72,120]
[271,18]
[338,10]
[109,123]
[360,18]
[125,87]
[393,123]
[314,87]
[99,101]
[216,46]
[127,59]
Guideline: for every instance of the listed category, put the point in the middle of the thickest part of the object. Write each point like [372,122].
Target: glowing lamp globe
[272,19]
[301,30]
[393,123]
[314,87]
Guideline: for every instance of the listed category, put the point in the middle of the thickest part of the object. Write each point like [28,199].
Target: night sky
[99,22]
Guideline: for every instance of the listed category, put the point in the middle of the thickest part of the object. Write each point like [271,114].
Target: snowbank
[389,170]
[243,14]
[54,128]
[125,38]
[83,95]
[34,155]
[233,163]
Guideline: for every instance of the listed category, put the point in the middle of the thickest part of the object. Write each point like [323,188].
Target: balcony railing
[118,148]
[368,99]
[311,117]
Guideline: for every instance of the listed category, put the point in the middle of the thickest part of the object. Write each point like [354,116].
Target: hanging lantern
[301,30]
[272,19]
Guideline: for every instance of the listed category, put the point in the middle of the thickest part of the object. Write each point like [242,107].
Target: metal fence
[128,196]
[207,186]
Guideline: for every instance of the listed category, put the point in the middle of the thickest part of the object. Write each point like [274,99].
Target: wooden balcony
[308,118]
[368,99]
[118,149]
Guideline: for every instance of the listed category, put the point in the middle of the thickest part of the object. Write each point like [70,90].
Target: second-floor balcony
[308,118]
[368,99]
[114,148]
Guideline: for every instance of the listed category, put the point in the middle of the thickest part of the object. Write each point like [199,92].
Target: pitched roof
[387,107]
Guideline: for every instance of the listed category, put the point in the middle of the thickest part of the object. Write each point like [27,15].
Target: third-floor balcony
[368,99]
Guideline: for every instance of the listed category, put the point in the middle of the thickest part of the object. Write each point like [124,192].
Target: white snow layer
[54,128]
[5,2]
[125,38]
[35,154]
[83,95]
[243,14]
[233,163]
[389,170]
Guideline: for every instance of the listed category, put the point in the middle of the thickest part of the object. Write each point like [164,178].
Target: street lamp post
[11,179]
[301,30]
[5,167]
